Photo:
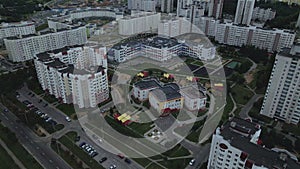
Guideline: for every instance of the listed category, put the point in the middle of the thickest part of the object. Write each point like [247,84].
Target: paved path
[245,110]
[12,155]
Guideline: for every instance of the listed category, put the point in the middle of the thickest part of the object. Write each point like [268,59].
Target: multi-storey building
[244,12]
[174,27]
[23,48]
[208,26]
[263,14]
[163,49]
[237,145]
[269,39]
[15,29]
[167,6]
[215,8]
[74,75]
[282,99]
[138,23]
[142,88]
[142,5]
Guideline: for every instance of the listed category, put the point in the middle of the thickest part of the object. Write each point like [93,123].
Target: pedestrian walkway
[12,155]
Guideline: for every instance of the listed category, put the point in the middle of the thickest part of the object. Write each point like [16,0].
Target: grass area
[77,151]
[6,161]
[291,128]
[20,152]
[241,94]
[50,98]
[197,62]
[177,151]
[255,110]
[142,161]
[68,109]
[194,136]
[141,128]
[178,163]
[154,166]
[42,27]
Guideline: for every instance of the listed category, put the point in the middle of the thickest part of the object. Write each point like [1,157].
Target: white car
[68,119]
[112,166]
[192,162]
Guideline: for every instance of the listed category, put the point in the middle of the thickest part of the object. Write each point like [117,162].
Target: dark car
[102,159]
[127,161]
[121,156]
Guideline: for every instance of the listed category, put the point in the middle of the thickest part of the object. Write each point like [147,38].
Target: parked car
[68,119]
[102,159]
[127,161]
[192,162]
[112,166]
[121,156]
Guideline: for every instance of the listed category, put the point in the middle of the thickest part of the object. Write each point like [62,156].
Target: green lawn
[178,163]
[154,166]
[241,94]
[20,152]
[142,161]
[194,136]
[69,143]
[141,128]
[50,98]
[295,129]
[6,162]
[177,151]
[68,109]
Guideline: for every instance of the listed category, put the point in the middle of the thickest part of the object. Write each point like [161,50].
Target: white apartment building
[167,6]
[138,23]
[243,13]
[282,98]
[64,20]
[142,88]
[208,25]
[23,48]
[263,14]
[142,5]
[73,81]
[269,39]
[15,29]
[215,8]
[236,145]
[175,27]
[194,99]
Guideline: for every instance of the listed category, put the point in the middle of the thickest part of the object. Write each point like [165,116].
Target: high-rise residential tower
[215,8]
[243,13]
[282,99]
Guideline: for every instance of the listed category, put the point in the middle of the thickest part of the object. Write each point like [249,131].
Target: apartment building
[138,23]
[269,39]
[208,25]
[244,11]
[167,6]
[282,98]
[23,48]
[142,5]
[237,145]
[16,29]
[263,14]
[174,27]
[65,73]
[215,8]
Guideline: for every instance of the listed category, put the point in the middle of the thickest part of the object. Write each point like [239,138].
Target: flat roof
[166,93]
[261,156]
[147,84]
[192,92]
[195,39]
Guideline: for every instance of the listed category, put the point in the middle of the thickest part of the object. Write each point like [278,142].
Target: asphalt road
[35,145]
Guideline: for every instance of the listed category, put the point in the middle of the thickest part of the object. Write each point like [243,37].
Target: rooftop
[147,84]
[166,93]
[192,92]
[238,133]
[193,39]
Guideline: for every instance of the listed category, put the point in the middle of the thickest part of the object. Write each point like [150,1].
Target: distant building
[282,98]
[142,5]
[215,8]
[138,23]
[166,99]
[298,22]
[167,6]
[23,48]
[174,27]
[237,145]
[244,12]
[75,75]
[263,14]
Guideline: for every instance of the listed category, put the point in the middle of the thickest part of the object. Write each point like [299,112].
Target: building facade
[237,145]
[142,88]
[263,14]
[23,48]
[138,23]
[167,6]
[194,99]
[142,5]
[16,29]
[282,98]
[215,8]
[75,75]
